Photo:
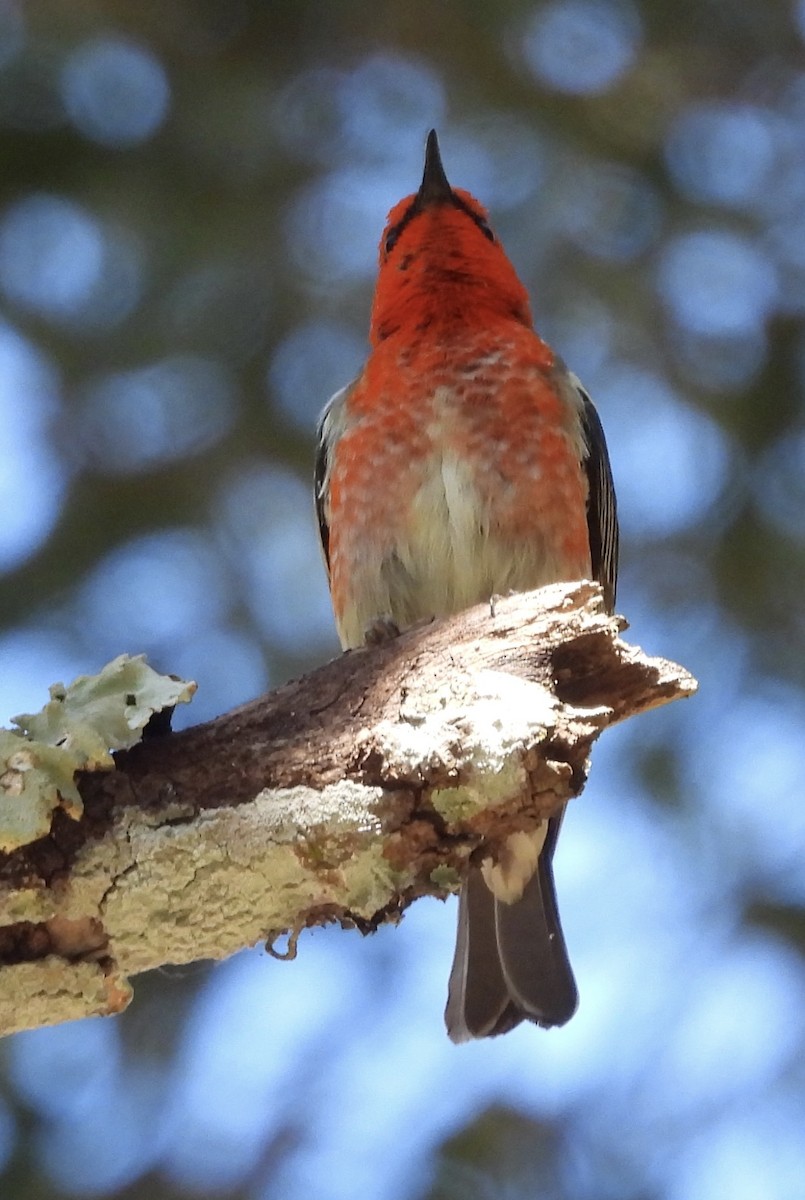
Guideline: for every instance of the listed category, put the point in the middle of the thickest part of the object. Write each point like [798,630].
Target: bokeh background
[190,201]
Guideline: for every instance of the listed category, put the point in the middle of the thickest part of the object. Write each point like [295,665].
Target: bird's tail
[511,962]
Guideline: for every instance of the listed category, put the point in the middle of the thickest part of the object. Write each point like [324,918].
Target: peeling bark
[342,796]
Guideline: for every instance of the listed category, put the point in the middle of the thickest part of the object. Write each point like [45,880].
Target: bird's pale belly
[457,543]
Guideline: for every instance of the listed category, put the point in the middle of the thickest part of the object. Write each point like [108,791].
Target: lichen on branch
[76,730]
[342,796]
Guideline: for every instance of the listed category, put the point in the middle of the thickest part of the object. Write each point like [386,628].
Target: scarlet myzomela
[466,461]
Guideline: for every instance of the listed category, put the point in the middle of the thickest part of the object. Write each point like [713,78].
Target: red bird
[466,461]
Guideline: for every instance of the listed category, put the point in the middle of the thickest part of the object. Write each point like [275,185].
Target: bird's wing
[328,430]
[602,509]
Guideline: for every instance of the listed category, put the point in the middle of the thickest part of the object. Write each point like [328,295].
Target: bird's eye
[391,239]
[484,228]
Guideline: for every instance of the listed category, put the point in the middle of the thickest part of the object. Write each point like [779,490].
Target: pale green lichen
[489,788]
[77,730]
[445,877]
[371,880]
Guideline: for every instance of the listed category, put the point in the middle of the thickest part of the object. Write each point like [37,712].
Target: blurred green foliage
[227,168]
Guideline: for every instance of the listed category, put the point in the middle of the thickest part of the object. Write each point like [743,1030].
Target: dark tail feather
[511,962]
[477,997]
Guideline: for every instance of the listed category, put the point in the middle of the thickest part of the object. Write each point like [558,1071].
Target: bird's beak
[434,188]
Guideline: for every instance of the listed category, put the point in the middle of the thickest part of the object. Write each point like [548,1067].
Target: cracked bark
[342,797]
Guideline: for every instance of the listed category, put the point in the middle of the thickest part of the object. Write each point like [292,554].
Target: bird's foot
[381,630]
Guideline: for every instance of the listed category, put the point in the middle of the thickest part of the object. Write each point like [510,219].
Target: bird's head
[440,258]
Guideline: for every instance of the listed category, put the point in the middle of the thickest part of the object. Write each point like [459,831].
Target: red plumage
[463,462]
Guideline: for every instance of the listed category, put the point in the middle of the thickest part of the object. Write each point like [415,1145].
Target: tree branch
[343,796]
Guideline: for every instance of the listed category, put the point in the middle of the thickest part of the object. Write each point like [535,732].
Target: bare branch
[342,796]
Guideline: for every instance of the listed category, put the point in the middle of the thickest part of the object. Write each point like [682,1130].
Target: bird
[464,462]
